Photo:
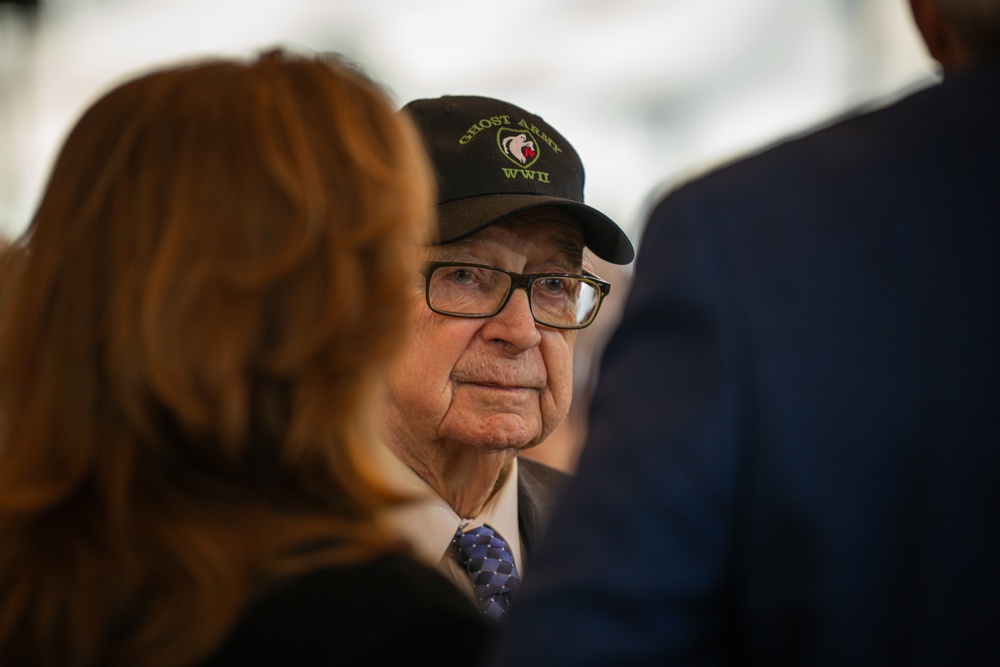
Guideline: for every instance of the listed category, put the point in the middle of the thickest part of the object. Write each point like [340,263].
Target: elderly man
[488,371]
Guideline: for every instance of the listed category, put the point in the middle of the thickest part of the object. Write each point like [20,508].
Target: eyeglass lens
[478,291]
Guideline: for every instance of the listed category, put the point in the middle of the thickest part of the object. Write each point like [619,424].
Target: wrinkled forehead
[548,230]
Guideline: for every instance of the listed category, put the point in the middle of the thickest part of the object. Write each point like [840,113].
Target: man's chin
[499,432]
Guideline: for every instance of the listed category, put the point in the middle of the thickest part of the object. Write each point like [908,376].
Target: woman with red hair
[193,331]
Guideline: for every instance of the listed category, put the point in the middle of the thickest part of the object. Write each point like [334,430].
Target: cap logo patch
[518,146]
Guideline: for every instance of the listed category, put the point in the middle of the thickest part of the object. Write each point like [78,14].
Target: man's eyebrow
[569,247]
[571,250]
[567,243]
[450,248]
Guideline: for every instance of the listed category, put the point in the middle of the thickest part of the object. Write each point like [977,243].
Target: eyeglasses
[557,300]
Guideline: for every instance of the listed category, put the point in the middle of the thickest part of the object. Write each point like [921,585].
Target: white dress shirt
[429,523]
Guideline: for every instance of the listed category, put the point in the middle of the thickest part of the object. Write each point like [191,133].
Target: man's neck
[466,477]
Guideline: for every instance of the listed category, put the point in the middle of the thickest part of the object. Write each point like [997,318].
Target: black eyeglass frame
[517,280]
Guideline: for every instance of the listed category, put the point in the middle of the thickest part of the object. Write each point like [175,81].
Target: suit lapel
[538,488]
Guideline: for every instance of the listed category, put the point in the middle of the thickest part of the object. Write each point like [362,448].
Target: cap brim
[463,217]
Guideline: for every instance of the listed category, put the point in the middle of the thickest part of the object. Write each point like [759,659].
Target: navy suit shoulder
[392,610]
[792,455]
[890,147]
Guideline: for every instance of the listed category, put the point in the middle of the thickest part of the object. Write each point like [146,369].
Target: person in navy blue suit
[794,452]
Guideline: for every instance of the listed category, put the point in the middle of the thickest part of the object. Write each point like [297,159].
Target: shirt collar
[429,523]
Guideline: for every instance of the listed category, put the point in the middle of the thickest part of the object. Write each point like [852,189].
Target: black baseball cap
[494,159]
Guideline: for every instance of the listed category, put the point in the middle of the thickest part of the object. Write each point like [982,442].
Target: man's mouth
[500,381]
[502,387]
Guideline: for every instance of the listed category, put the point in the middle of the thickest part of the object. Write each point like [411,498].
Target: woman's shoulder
[388,608]
[391,581]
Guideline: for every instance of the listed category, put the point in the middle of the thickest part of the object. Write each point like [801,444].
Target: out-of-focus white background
[648,91]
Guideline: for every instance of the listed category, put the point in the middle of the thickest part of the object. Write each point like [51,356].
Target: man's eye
[463,276]
[554,285]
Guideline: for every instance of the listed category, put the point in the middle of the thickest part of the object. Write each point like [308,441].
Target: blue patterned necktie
[488,560]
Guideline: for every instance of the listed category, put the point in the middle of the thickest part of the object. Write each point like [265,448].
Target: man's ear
[942,42]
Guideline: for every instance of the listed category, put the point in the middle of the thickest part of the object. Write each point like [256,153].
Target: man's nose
[515,324]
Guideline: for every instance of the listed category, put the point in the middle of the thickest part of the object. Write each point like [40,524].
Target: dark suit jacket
[391,611]
[794,451]
[538,488]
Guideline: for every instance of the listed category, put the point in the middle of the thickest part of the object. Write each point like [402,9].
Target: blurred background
[650,92]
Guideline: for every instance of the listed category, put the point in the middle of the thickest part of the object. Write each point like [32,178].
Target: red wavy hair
[192,335]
